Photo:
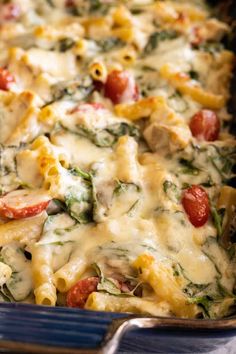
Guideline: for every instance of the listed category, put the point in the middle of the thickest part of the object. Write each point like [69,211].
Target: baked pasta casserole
[116,160]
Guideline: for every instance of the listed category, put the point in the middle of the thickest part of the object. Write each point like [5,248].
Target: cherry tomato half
[78,294]
[196,205]
[120,87]
[205,125]
[84,107]
[23,203]
[5,79]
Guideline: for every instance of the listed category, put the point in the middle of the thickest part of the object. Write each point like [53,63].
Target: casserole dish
[79,329]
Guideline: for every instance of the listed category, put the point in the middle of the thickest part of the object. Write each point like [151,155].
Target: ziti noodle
[116,161]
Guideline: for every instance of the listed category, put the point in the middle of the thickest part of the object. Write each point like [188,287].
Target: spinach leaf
[223,160]
[60,205]
[171,190]
[65,44]
[157,37]
[110,43]
[215,300]
[85,7]
[110,286]
[105,284]
[101,138]
[9,179]
[205,302]
[122,187]
[192,289]
[76,171]
[78,201]
[78,90]
[188,167]
[79,196]
[108,136]
[123,128]
[218,216]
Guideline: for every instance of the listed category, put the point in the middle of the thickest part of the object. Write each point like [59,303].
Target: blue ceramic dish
[36,329]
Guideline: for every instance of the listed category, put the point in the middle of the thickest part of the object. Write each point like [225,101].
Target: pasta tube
[67,276]
[163,282]
[25,230]
[45,291]
[105,302]
[186,86]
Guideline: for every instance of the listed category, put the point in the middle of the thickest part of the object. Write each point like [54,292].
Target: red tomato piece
[196,205]
[5,79]
[23,203]
[205,125]
[120,87]
[9,12]
[78,294]
[86,106]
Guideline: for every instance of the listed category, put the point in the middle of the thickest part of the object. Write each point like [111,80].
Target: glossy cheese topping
[116,160]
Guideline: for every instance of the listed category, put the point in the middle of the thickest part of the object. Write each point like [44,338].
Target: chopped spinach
[76,171]
[171,190]
[157,37]
[107,44]
[123,128]
[61,205]
[188,167]
[107,285]
[218,216]
[108,136]
[9,179]
[192,289]
[122,187]
[78,197]
[89,6]
[101,138]
[110,286]
[65,44]
[205,302]
[215,300]
[223,160]
[78,90]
